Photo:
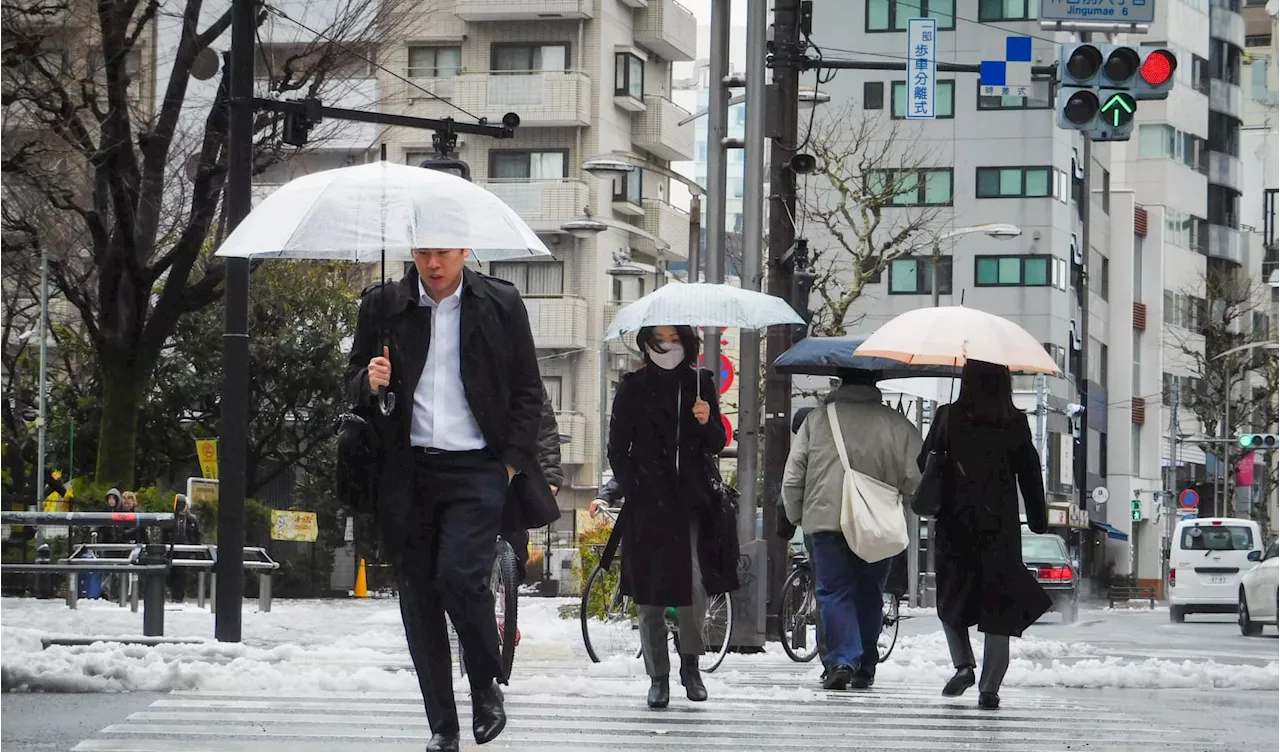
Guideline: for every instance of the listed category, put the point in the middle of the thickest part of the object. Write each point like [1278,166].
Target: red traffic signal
[1159,67]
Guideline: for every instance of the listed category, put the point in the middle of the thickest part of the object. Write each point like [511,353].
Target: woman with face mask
[664,436]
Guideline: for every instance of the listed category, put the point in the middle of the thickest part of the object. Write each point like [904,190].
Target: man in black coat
[454,349]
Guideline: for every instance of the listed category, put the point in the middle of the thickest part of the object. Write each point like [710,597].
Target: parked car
[1047,558]
[1208,559]
[1260,592]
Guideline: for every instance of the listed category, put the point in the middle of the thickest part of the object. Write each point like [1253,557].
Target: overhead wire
[280,13]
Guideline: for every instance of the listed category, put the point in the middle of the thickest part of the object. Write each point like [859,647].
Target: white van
[1208,558]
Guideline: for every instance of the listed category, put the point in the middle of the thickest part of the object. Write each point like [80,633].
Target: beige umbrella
[950,335]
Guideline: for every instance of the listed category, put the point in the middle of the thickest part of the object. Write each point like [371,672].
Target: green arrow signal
[1119,109]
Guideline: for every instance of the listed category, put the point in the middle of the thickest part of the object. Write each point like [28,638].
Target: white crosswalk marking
[763,704]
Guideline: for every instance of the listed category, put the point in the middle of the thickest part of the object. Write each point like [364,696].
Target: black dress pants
[445,568]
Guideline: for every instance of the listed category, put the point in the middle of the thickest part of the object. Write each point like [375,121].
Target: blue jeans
[851,602]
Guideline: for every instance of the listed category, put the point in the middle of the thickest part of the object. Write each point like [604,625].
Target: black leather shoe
[960,682]
[691,678]
[443,743]
[988,700]
[839,678]
[488,716]
[659,692]
[862,680]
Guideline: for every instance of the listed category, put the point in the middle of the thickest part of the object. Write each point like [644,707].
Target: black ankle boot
[659,692]
[960,682]
[691,678]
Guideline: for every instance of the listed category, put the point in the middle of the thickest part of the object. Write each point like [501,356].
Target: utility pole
[233,433]
[786,51]
[717,168]
[752,239]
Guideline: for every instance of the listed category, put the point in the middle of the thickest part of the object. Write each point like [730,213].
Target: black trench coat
[654,525]
[981,577]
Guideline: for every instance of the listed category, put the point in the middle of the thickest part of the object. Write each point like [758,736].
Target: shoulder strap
[838,435]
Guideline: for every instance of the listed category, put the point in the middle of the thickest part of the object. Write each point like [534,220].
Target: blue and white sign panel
[1102,11]
[922,68]
[1011,75]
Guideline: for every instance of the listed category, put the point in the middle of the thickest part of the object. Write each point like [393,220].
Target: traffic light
[1135,510]
[1101,83]
[1251,442]
[1155,73]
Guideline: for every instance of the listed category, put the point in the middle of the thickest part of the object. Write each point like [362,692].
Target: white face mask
[668,359]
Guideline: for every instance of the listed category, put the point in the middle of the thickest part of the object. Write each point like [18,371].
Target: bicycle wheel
[505,602]
[889,628]
[717,628]
[610,620]
[798,616]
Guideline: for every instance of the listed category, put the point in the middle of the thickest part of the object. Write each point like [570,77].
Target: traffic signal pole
[1082,378]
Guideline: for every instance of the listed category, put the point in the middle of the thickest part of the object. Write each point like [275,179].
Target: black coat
[499,374]
[981,577]
[653,527]
[549,443]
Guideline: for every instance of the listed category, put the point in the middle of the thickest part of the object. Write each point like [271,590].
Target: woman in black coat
[665,433]
[981,576]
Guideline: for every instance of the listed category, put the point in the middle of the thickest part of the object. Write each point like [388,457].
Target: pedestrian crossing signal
[1135,508]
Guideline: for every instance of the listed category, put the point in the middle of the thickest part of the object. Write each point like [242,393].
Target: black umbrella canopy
[833,356]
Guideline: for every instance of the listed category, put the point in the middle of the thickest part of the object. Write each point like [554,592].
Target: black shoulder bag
[927,499]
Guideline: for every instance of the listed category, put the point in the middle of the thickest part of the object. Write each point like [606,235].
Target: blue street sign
[1009,76]
[1189,498]
[922,68]
[1104,11]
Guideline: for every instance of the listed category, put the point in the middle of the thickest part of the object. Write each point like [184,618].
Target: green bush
[590,542]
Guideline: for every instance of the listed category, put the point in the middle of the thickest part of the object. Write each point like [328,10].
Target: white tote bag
[870,510]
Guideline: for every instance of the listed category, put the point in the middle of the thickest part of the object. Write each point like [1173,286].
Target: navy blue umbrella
[833,356]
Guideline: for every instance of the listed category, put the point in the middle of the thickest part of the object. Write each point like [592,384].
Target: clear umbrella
[703,305]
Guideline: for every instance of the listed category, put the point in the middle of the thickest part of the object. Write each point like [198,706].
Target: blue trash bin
[90,582]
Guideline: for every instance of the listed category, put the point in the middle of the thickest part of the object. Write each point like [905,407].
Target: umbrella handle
[386,402]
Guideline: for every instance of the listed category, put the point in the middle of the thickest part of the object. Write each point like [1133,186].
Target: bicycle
[611,619]
[506,594]
[798,614]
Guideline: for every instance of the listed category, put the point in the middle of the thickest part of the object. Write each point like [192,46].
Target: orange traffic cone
[362,585]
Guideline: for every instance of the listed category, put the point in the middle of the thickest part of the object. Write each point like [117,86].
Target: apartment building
[587,78]
[1165,208]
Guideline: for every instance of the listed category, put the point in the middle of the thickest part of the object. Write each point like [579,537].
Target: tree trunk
[122,392]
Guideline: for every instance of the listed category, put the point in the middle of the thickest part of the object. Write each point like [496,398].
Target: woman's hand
[702,411]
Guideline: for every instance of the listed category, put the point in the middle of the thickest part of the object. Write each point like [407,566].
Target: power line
[276,11]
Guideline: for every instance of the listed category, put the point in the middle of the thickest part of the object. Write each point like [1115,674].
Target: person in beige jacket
[881,443]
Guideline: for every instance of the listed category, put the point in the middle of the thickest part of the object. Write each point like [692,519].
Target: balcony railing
[667,28]
[540,98]
[658,130]
[558,323]
[543,204]
[668,223]
[523,10]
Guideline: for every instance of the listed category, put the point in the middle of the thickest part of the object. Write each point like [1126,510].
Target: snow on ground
[358,645]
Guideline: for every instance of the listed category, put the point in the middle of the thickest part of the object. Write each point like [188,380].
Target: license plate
[1217,580]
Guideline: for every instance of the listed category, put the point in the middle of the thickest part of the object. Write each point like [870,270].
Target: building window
[531,278]
[1186,311]
[628,187]
[931,187]
[1013,271]
[1257,40]
[892,15]
[555,391]
[1106,191]
[1135,447]
[1158,141]
[914,276]
[1005,10]
[628,76]
[530,58]
[873,95]
[434,62]
[1059,355]
[528,165]
[1097,362]
[1040,98]
[945,98]
[1186,230]
[872,271]
[1100,275]
[1015,182]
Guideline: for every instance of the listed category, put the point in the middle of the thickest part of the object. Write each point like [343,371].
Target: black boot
[659,692]
[443,743]
[488,716]
[839,678]
[960,682]
[691,678]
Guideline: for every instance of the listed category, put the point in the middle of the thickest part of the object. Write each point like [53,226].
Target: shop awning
[1112,532]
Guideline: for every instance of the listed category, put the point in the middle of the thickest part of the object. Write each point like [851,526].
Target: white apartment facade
[586,77]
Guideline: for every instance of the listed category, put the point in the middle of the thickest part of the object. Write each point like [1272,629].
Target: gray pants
[689,619]
[995,656]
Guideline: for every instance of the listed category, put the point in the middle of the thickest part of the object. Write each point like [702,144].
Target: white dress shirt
[442,418]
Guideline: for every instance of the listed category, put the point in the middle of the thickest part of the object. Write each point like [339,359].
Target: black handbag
[357,469]
[926,501]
